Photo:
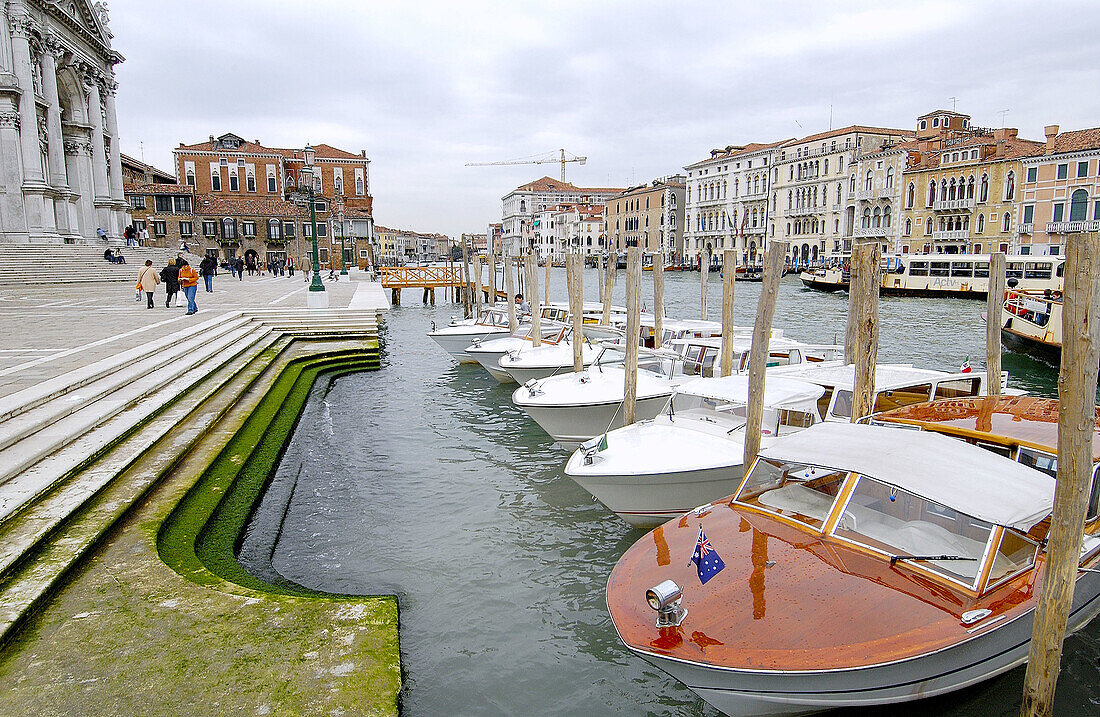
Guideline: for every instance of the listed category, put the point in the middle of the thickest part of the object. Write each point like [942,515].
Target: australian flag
[706,558]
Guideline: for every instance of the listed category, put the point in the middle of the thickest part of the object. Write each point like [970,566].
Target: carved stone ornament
[75,146]
[22,25]
[43,132]
[9,119]
[51,45]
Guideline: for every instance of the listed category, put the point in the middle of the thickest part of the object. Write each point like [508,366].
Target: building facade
[60,163]
[1061,191]
[135,171]
[521,204]
[650,216]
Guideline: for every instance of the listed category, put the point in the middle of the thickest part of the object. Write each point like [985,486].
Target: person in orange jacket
[189,282]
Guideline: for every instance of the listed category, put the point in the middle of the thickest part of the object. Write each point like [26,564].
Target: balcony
[754,230]
[870,232]
[1073,227]
[804,211]
[953,235]
[953,205]
[838,207]
[1025,228]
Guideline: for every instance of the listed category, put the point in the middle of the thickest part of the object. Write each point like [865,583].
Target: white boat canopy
[778,392]
[945,470]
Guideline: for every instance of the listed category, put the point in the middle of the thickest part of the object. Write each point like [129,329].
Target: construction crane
[545,158]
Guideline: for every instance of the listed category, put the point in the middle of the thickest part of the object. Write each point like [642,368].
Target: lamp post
[316,297]
[343,249]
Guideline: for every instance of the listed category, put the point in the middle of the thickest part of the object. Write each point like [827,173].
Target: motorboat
[528,363]
[692,453]
[575,407]
[488,353]
[672,329]
[490,323]
[826,279]
[1031,321]
[862,565]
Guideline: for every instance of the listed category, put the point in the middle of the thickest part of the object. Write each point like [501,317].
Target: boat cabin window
[958,388]
[1037,270]
[842,407]
[898,397]
[940,268]
[823,402]
[1094,497]
[1014,269]
[981,269]
[804,493]
[1039,460]
[997,448]
[962,268]
[1061,271]
[1015,554]
[706,364]
[899,523]
[918,268]
[692,360]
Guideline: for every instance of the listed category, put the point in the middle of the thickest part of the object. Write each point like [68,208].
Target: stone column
[33,181]
[91,78]
[118,213]
[78,168]
[55,143]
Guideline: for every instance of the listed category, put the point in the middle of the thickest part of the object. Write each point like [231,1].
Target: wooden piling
[431,295]
[863,295]
[729,269]
[758,353]
[546,289]
[993,308]
[574,267]
[395,297]
[477,284]
[467,306]
[510,298]
[633,330]
[704,276]
[608,289]
[1076,419]
[532,271]
[599,273]
[658,300]
[492,261]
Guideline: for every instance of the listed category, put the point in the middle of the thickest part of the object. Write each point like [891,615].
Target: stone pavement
[48,330]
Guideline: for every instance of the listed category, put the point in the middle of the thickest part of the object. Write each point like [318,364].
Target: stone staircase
[78,450]
[34,264]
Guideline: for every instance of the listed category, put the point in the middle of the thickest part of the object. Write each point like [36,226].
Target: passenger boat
[863,565]
[488,353]
[831,279]
[1031,321]
[490,323]
[966,275]
[652,470]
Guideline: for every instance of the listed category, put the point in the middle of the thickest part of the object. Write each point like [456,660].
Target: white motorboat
[653,470]
[488,353]
[491,323]
[534,362]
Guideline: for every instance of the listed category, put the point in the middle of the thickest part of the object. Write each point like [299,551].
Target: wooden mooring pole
[509,290]
[532,271]
[704,277]
[477,284]
[994,304]
[546,289]
[467,307]
[608,289]
[758,352]
[658,300]
[729,269]
[574,267]
[863,313]
[1076,419]
[599,273]
[633,330]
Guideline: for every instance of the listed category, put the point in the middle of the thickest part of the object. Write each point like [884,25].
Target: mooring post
[431,295]
[994,306]
[574,267]
[599,273]
[492,260]
[477,284]
[1076,421]
[658,300]
[510,298]
[608,289]
[425,299]
[633,331]
[704,276]
[467,308]
[863,295]
[546,289]
[395,297]
[532,267]
[729,269]
[758,352]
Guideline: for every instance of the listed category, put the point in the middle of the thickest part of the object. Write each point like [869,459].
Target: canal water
[423,480]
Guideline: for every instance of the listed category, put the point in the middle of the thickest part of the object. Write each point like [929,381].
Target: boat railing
[1031,306]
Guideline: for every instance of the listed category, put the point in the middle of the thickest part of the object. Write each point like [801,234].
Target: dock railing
[420,277]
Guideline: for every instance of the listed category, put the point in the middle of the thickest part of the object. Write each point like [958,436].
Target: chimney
[1051,131]
[1005,133]
[211,140]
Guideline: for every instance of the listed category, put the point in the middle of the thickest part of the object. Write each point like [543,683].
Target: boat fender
[433,326]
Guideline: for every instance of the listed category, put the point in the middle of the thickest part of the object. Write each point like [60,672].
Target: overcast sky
[640,88]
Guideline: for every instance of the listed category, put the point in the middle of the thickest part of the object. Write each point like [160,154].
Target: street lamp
[343,249]
[315,300]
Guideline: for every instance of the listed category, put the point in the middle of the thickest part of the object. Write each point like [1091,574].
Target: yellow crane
[544,158]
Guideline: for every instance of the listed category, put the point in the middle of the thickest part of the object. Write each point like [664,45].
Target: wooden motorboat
[864,565]
[1031,322]
[826,279]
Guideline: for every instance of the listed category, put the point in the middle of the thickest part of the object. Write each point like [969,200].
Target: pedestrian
[189,282]
[170,276]
[143,236]
[290,266]
[129,235]
[148,280]
[102,234]
[240,269]
[180,261]
[207,267]
[282,268]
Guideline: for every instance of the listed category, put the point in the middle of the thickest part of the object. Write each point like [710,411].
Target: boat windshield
[492,318]
[801,492]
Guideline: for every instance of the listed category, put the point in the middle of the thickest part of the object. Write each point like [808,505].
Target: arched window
[870,180]
[1006,222]
[943,190]
[216,181]
[840,164]
[229,228]
[931,192]
[359,185]
[852,184]
[908,227]
[756,186]
[190,177]
[910,195]
[1078,205]
[970,187]
[754,217]
[790,199]
[250,182]
[866,218]
[826,166]
[274,229]
[889,177]
[928,226]
[838,187]
[1010,186]
[983,189]
[886,217]
[981,223]
[877,221]
[788,228]
[522,206]
[735,186]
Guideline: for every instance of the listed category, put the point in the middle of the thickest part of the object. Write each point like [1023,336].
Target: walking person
[240,269]
[170,276]
[208,267]
[189,282]
[148,280]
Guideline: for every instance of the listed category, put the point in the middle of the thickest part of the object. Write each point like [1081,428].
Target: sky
[639,88]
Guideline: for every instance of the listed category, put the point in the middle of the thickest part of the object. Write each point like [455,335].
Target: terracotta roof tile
[547,184]
[853,128]
[1076,141]
[158,189]
[210,204]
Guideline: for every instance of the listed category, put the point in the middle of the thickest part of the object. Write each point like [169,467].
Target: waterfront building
[399,246]
[1061,190]
[477,242]
[493,236]
[812,180]
[650,216]
[961,186]
[727,201]
[60,163]
[135,171]
[577,228]
[521,204]
[873,208]
[165,209]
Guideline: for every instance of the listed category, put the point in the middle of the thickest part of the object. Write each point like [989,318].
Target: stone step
[155,353]
[139,382]
[67,489]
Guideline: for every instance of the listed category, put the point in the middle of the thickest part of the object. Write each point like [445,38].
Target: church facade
[60,162]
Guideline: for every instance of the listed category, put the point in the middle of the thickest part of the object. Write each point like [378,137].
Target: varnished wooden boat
[840,587]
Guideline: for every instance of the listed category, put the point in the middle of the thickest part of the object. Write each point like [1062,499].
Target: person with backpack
[189,282]
[208,267]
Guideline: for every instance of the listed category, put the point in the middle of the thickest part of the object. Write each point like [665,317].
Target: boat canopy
[778,392]
[945,470]
[841,375]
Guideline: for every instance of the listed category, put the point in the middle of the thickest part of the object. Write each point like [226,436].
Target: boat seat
[794,498]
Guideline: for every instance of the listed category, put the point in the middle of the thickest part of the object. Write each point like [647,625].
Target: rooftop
[1075,141]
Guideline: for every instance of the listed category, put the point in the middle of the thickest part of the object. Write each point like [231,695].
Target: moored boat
[454,338]
[831,279]
[488,353]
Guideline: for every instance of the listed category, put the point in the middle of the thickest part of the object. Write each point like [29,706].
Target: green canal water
[423,480]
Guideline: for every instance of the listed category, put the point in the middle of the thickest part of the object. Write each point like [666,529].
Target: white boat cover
[887,376]
[946,470]
[778,392]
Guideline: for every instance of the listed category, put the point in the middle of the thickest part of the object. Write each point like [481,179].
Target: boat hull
[814,283]
[572,425]
[523,374]
[456,343]
[993,650]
